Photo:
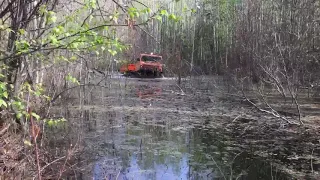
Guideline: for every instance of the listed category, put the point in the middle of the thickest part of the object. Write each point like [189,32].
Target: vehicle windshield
[150,58]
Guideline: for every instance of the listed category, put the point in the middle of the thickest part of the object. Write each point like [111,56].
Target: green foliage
[133,12]
[51,17]
[78,31]
[158,17]
[28,143]
[72,79]
[174,18]
[164,12]
[112,52]
[3,94]
[146,10]
[5,27]
[90,4]
[20,104]
[54,122]
[22,31]
[22,46]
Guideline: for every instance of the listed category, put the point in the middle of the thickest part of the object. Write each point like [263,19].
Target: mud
[133,128]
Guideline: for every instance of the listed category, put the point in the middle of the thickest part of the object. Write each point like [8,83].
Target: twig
[52,162]
[219,168]
[5,129]
[236,118]
[231,176]
[141,3]
[121,7]
[118,175]
[311,162]
[271,171]
[70,152]
[35,133]
[183,93]
[74,171]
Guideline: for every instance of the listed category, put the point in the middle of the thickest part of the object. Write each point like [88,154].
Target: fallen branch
[273,112]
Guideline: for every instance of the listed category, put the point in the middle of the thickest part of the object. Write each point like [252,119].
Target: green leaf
[74,45]
[56,30]
[9,30]
[35,115]
[163,12]
[53,40]
[112,52]
[3,85]
[63,58]
[2,27]
[63,120]
[47,97]
[22,31]
[18,104]
[43,9]
[72,79]
[172,17]
[22,45]
[133,12]
[51,17]
[19,115]
[159,18]
[50,122]
[3,103]
[5,94]
[73,58]
[146,10]
[26,142]
[91,4]
[37,93]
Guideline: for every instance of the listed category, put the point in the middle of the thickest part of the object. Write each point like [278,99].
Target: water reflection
[134,171]
[148,91]
[126,139]
[154,152]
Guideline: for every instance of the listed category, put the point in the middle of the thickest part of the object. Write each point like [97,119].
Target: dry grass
[13,163]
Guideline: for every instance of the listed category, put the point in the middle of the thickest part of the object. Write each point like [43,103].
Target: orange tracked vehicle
[147,65]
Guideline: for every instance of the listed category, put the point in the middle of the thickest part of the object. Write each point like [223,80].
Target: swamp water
[152,129]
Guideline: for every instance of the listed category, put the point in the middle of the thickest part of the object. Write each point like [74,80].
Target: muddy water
[154,129]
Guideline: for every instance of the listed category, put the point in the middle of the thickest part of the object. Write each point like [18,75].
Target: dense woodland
[48,46]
